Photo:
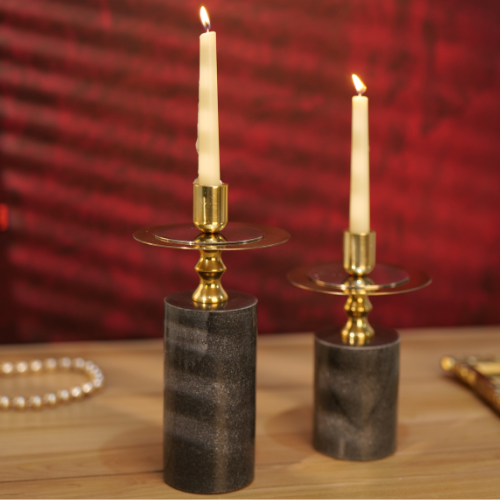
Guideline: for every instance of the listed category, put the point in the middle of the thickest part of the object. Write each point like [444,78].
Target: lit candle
[208,109]
[359,209]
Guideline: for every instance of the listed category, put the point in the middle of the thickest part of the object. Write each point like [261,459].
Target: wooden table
[110,446]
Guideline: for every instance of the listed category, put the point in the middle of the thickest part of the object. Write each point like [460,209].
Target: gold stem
[359,261]
[357,330]
[210,217]
[210,268]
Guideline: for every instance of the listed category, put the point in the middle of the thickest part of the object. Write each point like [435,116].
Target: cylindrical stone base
[356,395]
[209,412]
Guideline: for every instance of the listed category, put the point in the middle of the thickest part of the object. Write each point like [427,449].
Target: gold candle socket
[359,252]
[210,216]
[359,260]
[210,207]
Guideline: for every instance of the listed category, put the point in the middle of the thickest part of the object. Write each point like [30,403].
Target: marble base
[356,395]
[209,411]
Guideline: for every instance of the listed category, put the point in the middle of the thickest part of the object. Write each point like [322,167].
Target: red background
[98,106]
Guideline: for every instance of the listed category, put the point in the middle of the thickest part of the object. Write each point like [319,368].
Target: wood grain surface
[110,446]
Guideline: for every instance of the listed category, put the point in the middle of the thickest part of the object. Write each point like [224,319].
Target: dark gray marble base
[356,395]
[209,412]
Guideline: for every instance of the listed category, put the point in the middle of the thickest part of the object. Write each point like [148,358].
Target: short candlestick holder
[210,352]
[356,372]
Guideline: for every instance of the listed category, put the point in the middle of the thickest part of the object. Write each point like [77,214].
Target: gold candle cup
[210,207]
[359,252]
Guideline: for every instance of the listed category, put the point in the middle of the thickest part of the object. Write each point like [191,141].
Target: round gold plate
[416,279]
[271,236]
[333,275]
[187,234]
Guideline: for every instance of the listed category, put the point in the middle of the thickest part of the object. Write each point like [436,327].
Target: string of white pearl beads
[51,399]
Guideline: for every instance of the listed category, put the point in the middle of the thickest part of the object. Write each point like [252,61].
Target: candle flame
[205,20]
[360,86]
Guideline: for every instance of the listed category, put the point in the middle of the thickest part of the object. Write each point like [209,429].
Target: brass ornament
[481,375]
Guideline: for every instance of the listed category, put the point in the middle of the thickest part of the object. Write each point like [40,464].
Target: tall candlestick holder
[210,352]
[356,366]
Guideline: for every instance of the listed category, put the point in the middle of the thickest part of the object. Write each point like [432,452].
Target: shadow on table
[139,449]
[293,429]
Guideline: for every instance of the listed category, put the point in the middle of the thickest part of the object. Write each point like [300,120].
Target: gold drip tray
[187,234]
[333,275]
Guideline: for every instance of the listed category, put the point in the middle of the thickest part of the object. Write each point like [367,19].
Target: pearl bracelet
[51,399]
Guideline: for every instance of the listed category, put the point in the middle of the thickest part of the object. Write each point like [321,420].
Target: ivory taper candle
[359,207]
[208,109]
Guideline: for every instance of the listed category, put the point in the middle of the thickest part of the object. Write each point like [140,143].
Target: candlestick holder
[210,352]
[356,366]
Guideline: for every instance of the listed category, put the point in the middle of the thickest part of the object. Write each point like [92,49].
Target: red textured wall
[98,106]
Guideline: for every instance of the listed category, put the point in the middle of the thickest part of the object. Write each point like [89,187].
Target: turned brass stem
[210,268]
[357,330]
[359,260]
[210,216]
